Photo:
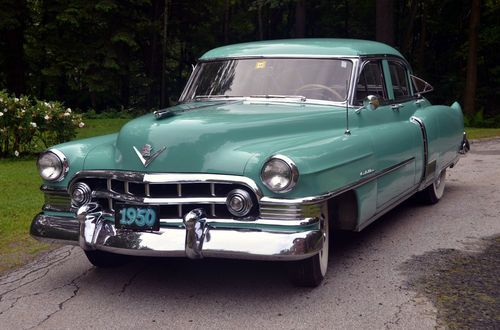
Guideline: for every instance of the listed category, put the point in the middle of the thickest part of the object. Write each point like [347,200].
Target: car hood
[214,137]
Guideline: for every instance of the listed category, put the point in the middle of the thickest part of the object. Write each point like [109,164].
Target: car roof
[302,47]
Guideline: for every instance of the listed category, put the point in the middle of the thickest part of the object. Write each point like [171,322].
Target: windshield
[319,79]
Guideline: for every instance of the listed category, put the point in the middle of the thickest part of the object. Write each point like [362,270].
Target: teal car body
[272,145]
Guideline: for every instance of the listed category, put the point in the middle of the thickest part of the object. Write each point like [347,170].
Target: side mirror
[371,102]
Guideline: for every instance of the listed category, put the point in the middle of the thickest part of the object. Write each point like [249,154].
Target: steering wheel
[319,86]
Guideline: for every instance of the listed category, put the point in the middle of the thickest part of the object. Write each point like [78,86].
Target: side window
[370,82]
[400,84]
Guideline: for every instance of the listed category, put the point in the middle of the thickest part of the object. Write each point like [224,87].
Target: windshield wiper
[271,96]
[201,97]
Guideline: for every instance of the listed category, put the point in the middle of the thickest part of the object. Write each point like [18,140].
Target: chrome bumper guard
[195,237]
[464,146]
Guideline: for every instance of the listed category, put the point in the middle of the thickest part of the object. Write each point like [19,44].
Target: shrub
[28,125]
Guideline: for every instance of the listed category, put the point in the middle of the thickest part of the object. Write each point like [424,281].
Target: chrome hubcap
[439,184]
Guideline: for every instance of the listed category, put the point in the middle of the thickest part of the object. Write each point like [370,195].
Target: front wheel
[104,259]
[310,272]
[433,193]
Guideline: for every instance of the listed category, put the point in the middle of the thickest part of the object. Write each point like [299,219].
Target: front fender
[324,164]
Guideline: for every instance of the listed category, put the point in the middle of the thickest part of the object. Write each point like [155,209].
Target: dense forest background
[110,55]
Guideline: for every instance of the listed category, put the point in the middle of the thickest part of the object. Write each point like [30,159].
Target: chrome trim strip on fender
[421,124]
[354,185]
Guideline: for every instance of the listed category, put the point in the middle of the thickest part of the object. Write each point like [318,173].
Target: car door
[395,140]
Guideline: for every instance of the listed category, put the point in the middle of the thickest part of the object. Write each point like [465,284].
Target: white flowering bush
[28,125]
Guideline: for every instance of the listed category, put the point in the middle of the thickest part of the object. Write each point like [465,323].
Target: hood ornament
[145,155]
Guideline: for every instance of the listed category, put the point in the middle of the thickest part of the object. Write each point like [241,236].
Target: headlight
[279,174]
[52,165]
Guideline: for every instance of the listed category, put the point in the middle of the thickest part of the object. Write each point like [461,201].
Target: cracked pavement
[364,288]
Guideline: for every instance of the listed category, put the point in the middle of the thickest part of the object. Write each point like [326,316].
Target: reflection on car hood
[214,137]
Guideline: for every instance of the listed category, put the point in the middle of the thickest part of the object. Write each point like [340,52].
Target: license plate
[137,217]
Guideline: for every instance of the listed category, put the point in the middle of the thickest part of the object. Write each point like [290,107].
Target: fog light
[81,194]
[239,202]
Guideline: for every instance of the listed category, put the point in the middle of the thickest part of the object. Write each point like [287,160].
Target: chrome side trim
[421,124]
[324,197]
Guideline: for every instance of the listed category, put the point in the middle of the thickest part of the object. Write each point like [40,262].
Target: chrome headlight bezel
[292,173]
[59,161]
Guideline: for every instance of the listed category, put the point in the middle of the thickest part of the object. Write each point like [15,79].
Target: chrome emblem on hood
[145,155]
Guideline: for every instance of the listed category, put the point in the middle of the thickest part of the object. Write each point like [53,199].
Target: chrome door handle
[396,107]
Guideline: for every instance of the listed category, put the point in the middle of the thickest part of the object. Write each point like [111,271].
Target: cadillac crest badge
[146,156]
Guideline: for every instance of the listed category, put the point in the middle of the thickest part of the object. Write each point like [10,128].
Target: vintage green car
[273,144]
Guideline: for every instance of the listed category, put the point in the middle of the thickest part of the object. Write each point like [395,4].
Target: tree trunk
[420,56]
[163,93]
[346,19]
[300,19]
[14,66]
[384,24]
[407,37]
[226,21]
[259,23]
[471,79]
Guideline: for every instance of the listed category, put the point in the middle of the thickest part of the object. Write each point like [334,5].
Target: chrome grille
[175,194]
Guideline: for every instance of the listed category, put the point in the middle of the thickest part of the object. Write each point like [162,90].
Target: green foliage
[108,54]
[28,125]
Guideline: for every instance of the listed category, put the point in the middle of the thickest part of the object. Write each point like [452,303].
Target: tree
[471,78]
[384,29]
[13,19]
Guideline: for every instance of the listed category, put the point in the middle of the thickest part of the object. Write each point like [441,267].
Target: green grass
[21,200]
[482,133]
[96,127]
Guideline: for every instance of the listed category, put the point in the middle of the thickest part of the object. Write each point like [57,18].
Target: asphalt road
[364,289]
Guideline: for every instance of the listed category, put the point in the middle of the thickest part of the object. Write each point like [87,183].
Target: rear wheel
[433,193]
[104,259]
[310,272]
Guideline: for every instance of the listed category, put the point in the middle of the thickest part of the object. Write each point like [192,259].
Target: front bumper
[195,237]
